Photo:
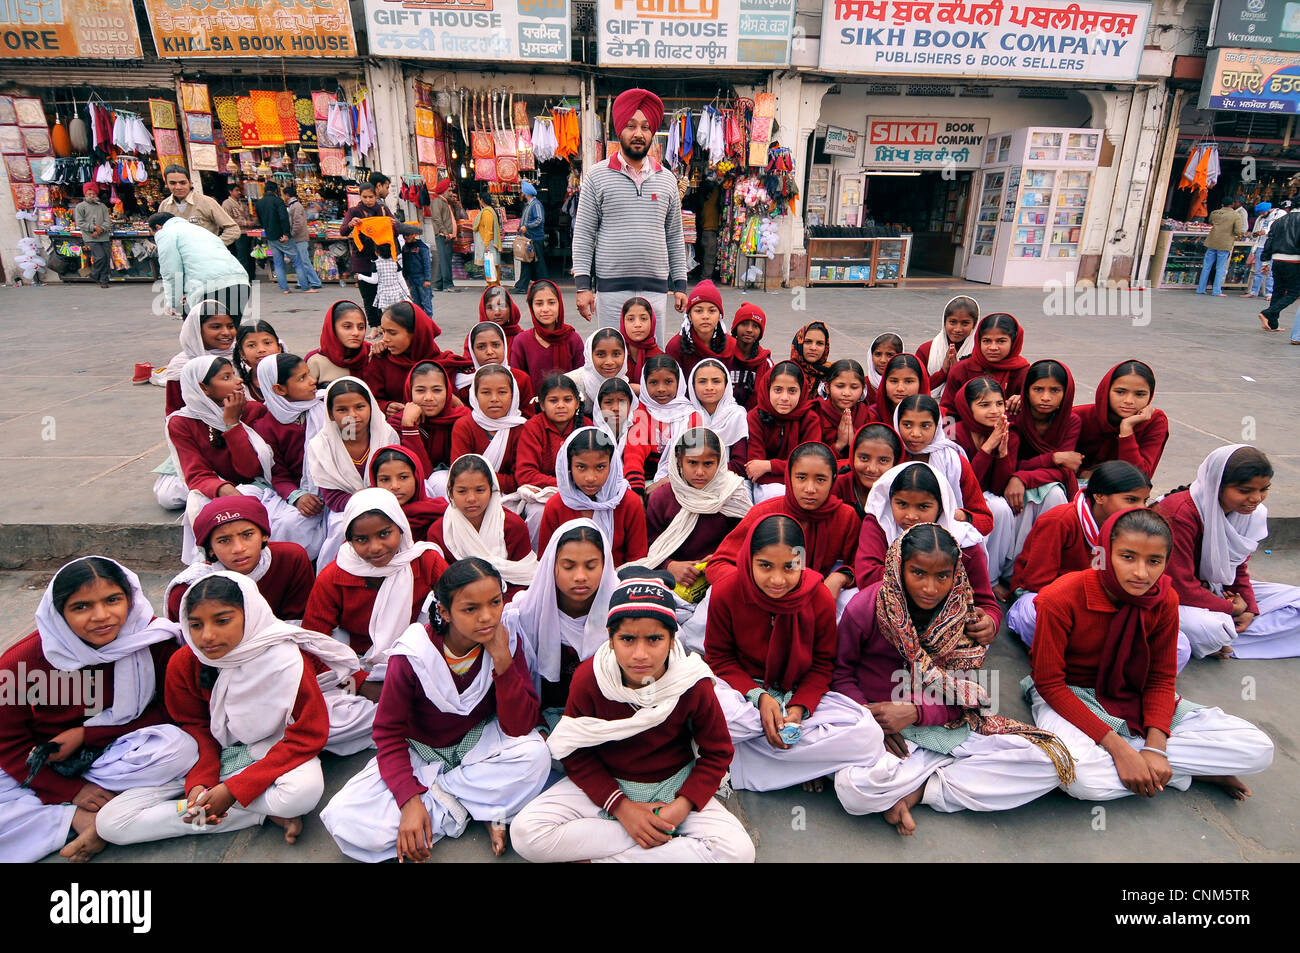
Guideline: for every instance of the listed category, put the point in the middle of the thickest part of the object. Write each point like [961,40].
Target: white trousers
[563,826]
[533,518]
[352,718]
[1208,742]
[498,777]
[436,484]
[997,544]
[1022,617]
[290,526]
[983,773]
[30,830]
[691,632]
[170,491]
[609,311]
[838,734]
[767,491]
[147,814]
[1022,524]
[1274,633]
[332,541]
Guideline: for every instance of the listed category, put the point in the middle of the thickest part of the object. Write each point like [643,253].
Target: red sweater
[387,379]
[737,636]
[991,471]
[1038,469]
[522,383]
[843,488]
[869,567]
[710,528]
[537,360]
[972,496]
[654,754]
[342,600]
[539,443]
[836,540]
[1185,561]
[829,419]
[636,361]
[24,726]
[288,445]
[1143,448]
[1073,615]
[432,447]
[304,738]
[687,362]
[776,441]
[629,543]
[641,452]
[469,437]
[937,378]
[518,544]
[206,467]
[1055,546]
[405,711]
[286,585]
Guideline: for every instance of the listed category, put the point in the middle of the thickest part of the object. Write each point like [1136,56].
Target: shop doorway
[929,206]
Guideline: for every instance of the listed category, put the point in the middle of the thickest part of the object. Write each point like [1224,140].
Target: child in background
[661,412]
[703,333]
[590,484]
[883,350]
[998,342]
[954,342]
[494,425]
[207,331]
[408,336]
[876,449]
[617,406]
[496,305]
[486,344]
[843,410]
[427,420]
[638,325]
[992,446]
[417,270]
[917,422]
[1123,422]
[540,442]
[605,357]
[711,393]
[903,376]
[397,470]
[344,350]
[751,359]
[254,341]
[551,345]
[390,286]
[811,349]
[782,420]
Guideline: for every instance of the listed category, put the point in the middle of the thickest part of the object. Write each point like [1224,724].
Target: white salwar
[497,777]
[609,309]
[1274,633]
[1004,543]
[30,830]
[838,734]
[1207,742]
[1022,618]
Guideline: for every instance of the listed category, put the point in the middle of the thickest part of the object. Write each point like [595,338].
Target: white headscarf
[608,497]
[673,412]
[729,420]
[431,668]
[202,568]
[489,540]
[653,702]
[392,611]
[288,411]
[620,438]
[192,339]
[725,494]
[327,462]
[199,406]
[257,682]
[878,505]
[588,377]
[536,616]
[501,427]
[1228,538]
[939,349]
[942,453]
[467,380]
[134,679]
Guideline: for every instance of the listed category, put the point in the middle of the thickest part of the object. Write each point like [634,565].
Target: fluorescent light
[886,172]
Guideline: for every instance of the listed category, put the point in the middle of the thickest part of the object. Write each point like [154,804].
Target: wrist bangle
[1160,751]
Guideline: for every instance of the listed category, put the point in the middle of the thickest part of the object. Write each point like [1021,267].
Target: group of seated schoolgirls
[581,619]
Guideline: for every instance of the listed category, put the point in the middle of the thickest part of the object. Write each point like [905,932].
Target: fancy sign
[513,30]
[1043,39]
[695,32]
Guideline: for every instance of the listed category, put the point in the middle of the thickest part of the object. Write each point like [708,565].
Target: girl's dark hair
[536,286]
[392,456]
[341,387]
[813,448]
[962,303]
[590,439]
[929,538]
[212,308]
[582,534]
[557,381]
[427,367]
[214,588]
[789,369]
[661,362]
[1135,367]
[634,302]
[487,370]
[466,463]
[605,334]
[345,307]
[1145,521]
[83,571]
[716,342]
[889,337]
[917,477]
[1115,476]
[347,530]
[366,187]
[217,367]
[979,386]
[698,438]
[402,314]
[245,330]
[777,529]
[1245,465]
[614,385]
[910,361]
[456,577]
[1046,368]
[484,326]
[496,291]
[847,366]
[285,364]
[880,432]
[923,403]
[1000,321]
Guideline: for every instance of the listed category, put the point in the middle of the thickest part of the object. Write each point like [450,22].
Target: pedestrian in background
[308,281]
[1225,229]
[96,232]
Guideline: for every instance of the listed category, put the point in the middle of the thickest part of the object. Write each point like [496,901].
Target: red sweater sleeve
[869,563]
[173,401]
[720,649]
[462,439]
[530,455]
[1159,697]
[584,766]
[298,589]
[1144,448]
[189,709]
[324,610]
[816,682]
[196,469]
[1042,469]
[972,495]
[1039,560]
[637,449]
[413,441]
[392,720]
[551,519]
[713,741]
[936,377]
[303,740]
[1052,632]
[1186,525]
[518,707]
[631,521]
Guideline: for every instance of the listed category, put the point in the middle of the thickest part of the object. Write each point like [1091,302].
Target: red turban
[442,186]
[227,509]
[90,188]
[630,100]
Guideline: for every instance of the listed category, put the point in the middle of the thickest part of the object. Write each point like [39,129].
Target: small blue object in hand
[791,733]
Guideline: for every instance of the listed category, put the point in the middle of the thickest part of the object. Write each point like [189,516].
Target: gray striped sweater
[627,238]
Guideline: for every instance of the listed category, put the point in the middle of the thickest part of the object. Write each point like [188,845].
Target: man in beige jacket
[201,210]
[1225,229]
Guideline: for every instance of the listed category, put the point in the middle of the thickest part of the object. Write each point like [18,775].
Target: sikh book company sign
[251,27]
[924,142]
[68,28]
[515,30]
[1045,40]
[695,32]
[1257,81]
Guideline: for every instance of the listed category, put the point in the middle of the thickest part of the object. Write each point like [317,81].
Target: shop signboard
[841,142]
[1256,24]
[251,28]
[1257,81]
[1040,40]
[491,30]
[103,29]
[756,33]
[924,142]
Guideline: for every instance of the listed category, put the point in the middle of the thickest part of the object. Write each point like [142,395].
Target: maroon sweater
[654,754]
[23,726]
[1055,546]
[539,444]
[206,467]
[288,443]
[629,542]
[776,441]
[469,437]
[536,360]
[1185,559]
[710,528]
[286,585]
[405,711]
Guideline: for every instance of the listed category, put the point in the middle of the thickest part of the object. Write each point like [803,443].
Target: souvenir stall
[54,141]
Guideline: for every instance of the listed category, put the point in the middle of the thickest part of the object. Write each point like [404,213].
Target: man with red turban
[627,234]
[96,232]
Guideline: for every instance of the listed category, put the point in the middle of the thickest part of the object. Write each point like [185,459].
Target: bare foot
[815,786]
[900,815]
[1225,652]
[292,827]
[1263,322]
[87,843]
[497,832]
[1233,785]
